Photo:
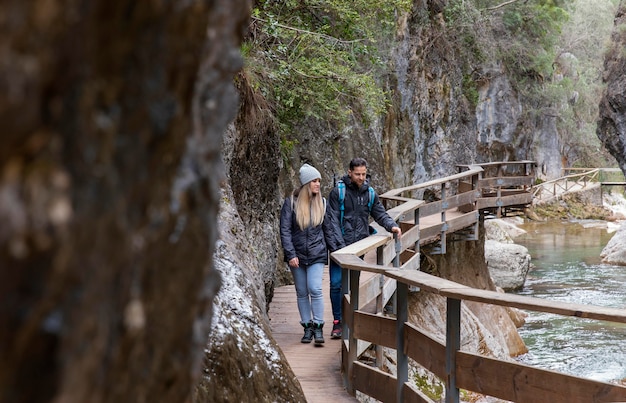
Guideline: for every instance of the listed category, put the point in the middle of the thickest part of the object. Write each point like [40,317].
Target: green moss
[432,390]
[470,89]
[286,148]
[570,207]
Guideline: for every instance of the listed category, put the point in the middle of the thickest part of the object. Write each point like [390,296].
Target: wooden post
[398,249]
[380,307]
[453,344]
[444,204]
[352,342]
[416,220]
[345,289]
[475,179]
[402,359]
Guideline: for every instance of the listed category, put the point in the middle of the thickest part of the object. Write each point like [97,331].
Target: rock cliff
[112,116]
[611,127]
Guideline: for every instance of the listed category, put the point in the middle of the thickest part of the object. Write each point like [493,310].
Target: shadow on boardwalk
[318,369]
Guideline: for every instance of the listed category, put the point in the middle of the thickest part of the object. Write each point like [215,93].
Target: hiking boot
[318,334]
[308,332]
[336,332]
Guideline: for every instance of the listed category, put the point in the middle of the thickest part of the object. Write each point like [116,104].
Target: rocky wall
[112,116]
[611,129]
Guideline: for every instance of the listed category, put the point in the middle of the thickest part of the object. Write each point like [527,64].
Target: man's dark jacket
[356,212]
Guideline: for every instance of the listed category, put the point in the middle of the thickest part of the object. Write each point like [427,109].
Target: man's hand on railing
[397,230]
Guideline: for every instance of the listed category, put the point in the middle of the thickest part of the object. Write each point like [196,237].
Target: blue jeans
[308,282]
[334,271]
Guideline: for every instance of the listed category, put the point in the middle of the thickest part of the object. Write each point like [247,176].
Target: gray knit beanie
[308,173]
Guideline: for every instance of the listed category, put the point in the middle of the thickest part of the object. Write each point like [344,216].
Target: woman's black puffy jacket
[310,244]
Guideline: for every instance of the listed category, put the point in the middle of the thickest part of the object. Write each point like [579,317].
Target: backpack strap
[341,189]
[370,204]
[372,197]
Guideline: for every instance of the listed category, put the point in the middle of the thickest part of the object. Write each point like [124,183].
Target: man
[354,226]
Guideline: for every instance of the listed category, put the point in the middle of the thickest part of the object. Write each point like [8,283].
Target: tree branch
[304,31]
[506,3]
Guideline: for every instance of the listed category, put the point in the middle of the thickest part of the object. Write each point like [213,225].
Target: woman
[304,230]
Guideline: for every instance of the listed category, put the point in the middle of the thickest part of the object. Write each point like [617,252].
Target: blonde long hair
[309,207]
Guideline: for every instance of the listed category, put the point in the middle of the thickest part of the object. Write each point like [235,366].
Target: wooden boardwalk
[318,369]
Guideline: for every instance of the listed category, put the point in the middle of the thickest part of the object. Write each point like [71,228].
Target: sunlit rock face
[612,114]
[243,362]
[614,252]
[488,329]
[112,115]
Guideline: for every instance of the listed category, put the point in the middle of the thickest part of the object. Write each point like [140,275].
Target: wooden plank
[498,163]
[462,221]
[374,382]
[389,252]
[410,237]
[392,196]
[506,181]
[322,379]
[465,197]
[431,208]
[451,202]
[505,192]
[413,263]
[369,290]
[352,262]
[487,202]
[522,383]
[365,245]
[423,280]
[426,350]
[413,395]
[405,210]
[505,201]
[454,290]
[473,170]
[517,199]
[388,290]
[465,187]
[376,329]
[430,231]
[534,304]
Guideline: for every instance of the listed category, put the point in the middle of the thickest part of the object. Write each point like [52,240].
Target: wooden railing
[397,261]
[504,186]
[577,179]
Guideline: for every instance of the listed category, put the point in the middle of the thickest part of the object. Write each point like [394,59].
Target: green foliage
[433,390]
[571,206]
[525,33]
[551,50]
[535,27]
[286,148]
[321,58]
[470,90]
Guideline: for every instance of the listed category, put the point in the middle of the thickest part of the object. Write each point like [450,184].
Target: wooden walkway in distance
[318,369]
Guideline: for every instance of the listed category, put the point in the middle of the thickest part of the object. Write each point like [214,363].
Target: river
[566,256]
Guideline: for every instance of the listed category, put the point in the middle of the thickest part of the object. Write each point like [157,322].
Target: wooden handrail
[502,379]
[395,192]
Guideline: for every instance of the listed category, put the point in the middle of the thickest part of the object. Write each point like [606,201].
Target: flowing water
[567,268]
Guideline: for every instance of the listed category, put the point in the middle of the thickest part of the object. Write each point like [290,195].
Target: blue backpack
[341,188]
